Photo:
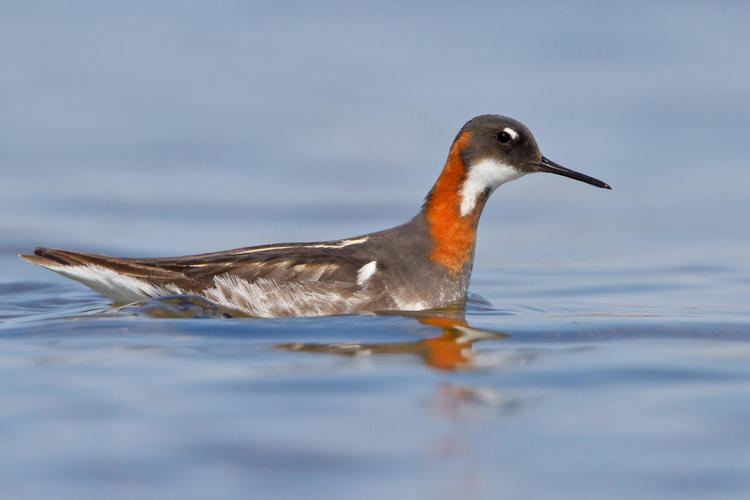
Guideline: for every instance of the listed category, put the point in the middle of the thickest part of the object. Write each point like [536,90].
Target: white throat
[487,174]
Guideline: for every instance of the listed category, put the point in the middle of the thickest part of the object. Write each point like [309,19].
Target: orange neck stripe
[454,236]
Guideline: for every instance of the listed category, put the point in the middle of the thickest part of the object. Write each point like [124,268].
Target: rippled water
[604,353]
[580,382]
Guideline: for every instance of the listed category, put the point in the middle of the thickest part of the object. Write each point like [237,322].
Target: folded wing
[289,280]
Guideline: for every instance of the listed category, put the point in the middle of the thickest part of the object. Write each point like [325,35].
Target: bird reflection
[451,350]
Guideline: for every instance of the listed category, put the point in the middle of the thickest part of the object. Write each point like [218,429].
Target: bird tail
[122,280]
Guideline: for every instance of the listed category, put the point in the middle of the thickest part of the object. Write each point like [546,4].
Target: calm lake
[605,351]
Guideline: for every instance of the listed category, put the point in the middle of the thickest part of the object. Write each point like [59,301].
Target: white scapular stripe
[338,244]
[365,272]
[487,174]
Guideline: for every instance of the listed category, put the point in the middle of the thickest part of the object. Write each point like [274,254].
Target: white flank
[120,288]
[272,299]
[512,133]
[262,297]
[487,174]
[365,272]
[402,305]
[338,244]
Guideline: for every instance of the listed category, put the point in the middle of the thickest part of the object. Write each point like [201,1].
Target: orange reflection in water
[451,350]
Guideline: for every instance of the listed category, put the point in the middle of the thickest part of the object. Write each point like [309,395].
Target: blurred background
[177,127]
[159,128]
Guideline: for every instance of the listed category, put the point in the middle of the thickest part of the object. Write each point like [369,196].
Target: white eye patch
[512,133]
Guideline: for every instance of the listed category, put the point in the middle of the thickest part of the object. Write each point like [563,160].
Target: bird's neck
[453,228]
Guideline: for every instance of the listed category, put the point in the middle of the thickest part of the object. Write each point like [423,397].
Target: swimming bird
[424,263]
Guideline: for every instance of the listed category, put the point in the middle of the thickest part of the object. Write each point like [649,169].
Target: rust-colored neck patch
[454,236]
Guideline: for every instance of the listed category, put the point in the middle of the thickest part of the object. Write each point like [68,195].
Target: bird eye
[504,137]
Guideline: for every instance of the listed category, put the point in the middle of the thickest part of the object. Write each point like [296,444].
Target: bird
[424,263]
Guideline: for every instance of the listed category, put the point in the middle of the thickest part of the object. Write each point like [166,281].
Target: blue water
[610,354]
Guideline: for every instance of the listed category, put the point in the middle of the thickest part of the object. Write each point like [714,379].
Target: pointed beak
[550,166]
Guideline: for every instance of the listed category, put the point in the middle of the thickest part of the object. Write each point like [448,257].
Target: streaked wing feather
[197,272]
[293,282]
[285,269]
[130,267]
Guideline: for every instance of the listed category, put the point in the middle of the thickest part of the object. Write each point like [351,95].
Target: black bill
[550,166]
